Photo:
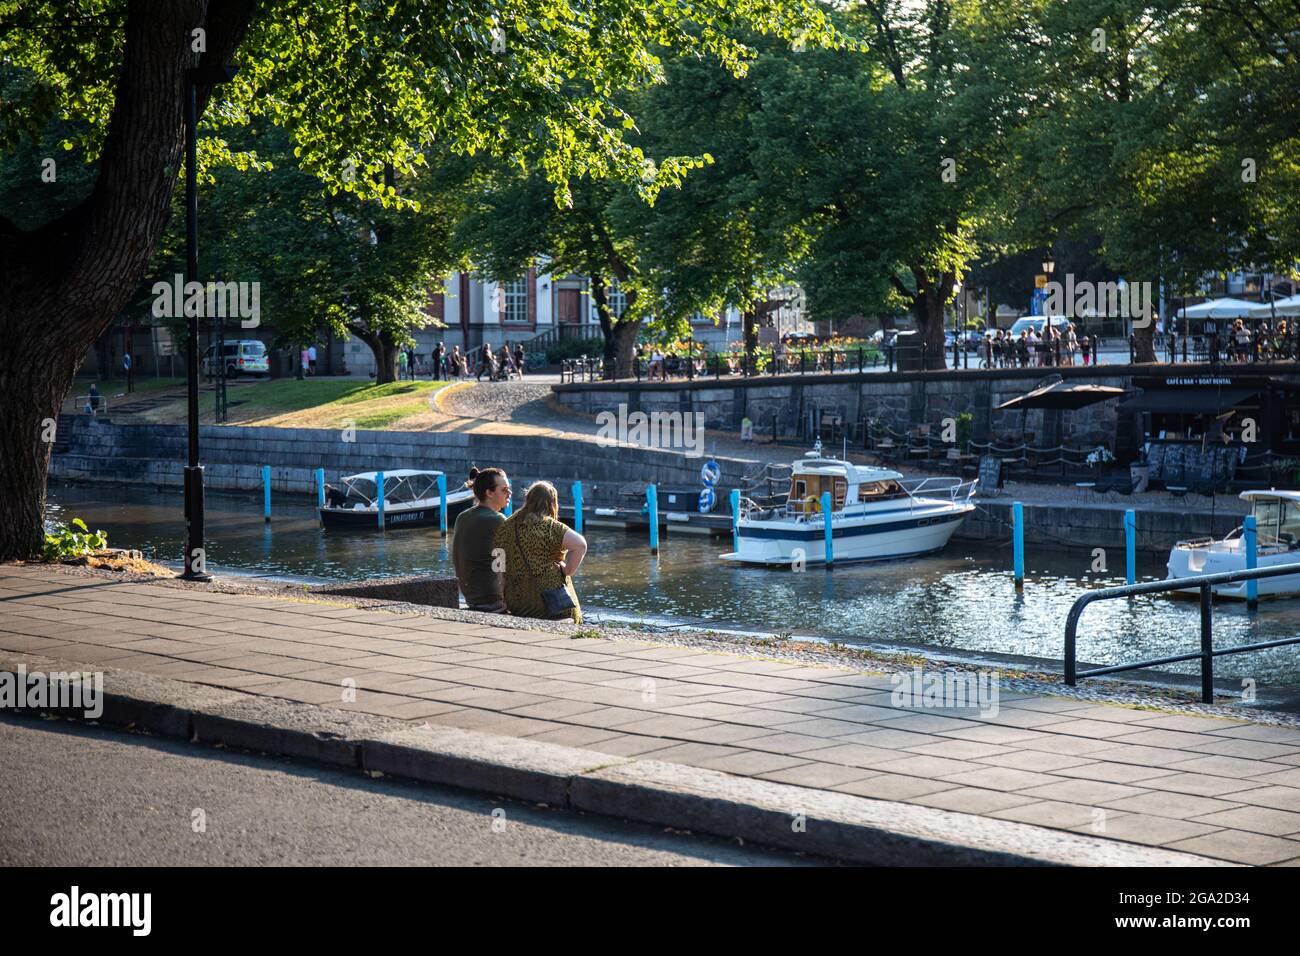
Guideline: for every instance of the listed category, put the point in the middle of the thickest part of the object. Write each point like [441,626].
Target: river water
[963,599]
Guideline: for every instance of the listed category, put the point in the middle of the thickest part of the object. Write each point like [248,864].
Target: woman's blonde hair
[540,501]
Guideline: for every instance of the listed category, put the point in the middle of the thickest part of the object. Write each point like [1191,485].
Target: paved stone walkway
[1217,788]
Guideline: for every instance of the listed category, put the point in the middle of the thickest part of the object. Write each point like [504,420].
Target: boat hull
[877,538]
[1186,562]
[420,516]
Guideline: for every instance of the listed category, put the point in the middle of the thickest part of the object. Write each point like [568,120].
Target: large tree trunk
[384,347]
[1144,342]
[623,343]
[600,298]
[927,309]
[63,283]
[620,333]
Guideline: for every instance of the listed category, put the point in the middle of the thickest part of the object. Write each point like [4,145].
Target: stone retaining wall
[1092,526]
[92,450]
[900,399]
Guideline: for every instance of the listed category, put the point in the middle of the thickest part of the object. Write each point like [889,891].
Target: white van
[1038,323]
[244,357]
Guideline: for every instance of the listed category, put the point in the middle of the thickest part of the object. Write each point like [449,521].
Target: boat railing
[951,488]
[1207,653]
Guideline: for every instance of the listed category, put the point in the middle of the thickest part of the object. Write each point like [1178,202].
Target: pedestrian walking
[438,353]
[486,363]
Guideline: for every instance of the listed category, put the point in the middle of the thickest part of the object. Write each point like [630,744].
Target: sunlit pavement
[1218,788]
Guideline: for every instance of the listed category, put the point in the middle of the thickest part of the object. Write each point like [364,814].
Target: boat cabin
[845,481]
[1277,518]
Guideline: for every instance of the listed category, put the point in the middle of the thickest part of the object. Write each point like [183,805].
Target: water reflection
[964,598]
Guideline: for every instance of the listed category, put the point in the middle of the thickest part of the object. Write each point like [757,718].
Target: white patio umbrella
[1288,307]
[1220,309]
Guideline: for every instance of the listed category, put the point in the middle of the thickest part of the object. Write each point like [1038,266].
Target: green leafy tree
[1167,130]
[365,86]
[714,243]
[513,223]
[886,160]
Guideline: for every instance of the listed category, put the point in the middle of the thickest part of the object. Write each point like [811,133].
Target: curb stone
[836,825]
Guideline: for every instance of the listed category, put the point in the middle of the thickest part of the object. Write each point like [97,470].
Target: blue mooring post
[320,487]
[1018,542]
[1130,546]
[826,526]
[1252,557]
[442,505]
[379,499]
[652,500]
[735,519]
[577,507]
[266,492]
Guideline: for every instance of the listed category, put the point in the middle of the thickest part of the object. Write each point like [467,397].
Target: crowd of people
[449,364]
[1053,346]
[521,565]
[1239,343]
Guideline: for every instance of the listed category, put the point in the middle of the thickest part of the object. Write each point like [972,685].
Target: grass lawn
[113,386]
[315,403]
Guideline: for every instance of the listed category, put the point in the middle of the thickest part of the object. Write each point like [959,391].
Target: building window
[515,301]
[617,300]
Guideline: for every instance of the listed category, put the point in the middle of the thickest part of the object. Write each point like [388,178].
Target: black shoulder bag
[557,600]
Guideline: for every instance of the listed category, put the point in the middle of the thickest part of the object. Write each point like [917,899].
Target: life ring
[812,505]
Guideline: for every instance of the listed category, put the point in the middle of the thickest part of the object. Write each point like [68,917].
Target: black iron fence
[959,353]
[1206,655]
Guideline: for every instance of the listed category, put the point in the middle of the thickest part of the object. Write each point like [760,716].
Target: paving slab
[478,702]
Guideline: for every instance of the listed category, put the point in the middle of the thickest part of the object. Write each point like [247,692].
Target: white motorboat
[411,500]
[876,514]
[1277,541]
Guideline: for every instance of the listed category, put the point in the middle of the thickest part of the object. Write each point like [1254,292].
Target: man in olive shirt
[471,546]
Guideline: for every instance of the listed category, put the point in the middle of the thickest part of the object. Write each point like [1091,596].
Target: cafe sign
[1203,381]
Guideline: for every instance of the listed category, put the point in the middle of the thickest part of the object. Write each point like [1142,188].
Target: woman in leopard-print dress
[541,553]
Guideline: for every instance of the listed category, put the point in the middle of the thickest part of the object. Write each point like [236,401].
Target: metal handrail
[1207,653]
[944,485]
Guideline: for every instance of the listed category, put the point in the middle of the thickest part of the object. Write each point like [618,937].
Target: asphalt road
[73,795]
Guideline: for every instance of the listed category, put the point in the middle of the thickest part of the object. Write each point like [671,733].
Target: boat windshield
[880,490]
[1277,522]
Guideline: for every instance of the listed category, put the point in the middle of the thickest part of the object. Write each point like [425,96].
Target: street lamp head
[1049,264]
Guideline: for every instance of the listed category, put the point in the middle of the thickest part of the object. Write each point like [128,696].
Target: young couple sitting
[508,564]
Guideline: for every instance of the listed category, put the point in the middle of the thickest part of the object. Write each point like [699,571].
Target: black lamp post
[1049,267]
[195,561]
